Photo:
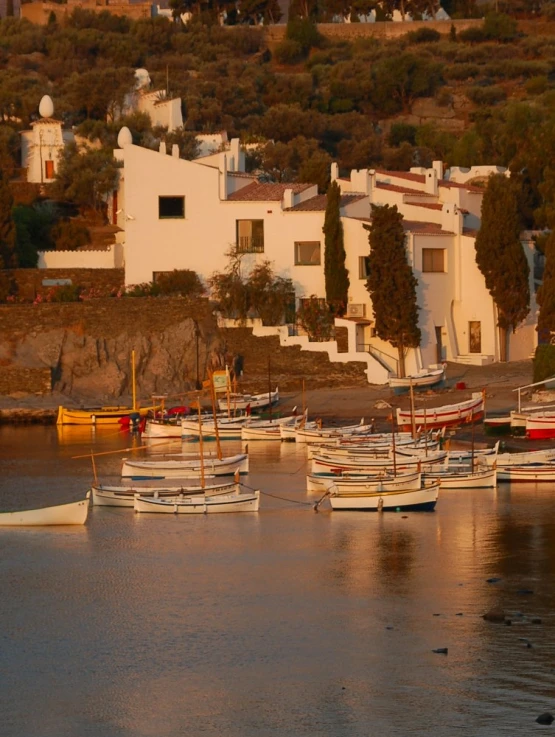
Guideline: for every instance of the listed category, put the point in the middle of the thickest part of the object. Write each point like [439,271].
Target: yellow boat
[97,415]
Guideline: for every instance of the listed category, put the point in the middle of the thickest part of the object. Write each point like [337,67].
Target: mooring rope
[275,496]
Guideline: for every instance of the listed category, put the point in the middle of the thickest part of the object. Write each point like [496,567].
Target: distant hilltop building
[162,109]
[39,12]
[42,146]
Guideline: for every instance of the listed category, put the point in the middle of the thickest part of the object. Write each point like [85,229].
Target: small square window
[433,260]
[171,207]
[307,253]
[363,267]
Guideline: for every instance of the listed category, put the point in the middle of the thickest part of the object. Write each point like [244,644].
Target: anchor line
[275,496]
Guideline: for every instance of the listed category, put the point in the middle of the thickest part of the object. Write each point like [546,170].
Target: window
[363,267]
[250,236]
[171,207]
[433,259]
[307,253]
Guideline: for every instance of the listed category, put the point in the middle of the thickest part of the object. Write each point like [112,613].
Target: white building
[163,110]
[42,146]
[181,214]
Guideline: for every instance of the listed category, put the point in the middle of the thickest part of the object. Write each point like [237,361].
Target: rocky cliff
[87,347]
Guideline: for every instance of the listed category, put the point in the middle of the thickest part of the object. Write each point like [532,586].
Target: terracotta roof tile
[258,192]
[318,203]
[420,178]
[421,228]
[429,205]
[397,188]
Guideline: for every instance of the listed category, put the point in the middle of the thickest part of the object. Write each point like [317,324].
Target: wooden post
[201,444]
[425,433]
[133,389]
[214,413]
[94,468]
[393,441]
[472,435]
[412,417]
[269,387]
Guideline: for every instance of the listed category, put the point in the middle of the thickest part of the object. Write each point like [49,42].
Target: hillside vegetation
[484,95]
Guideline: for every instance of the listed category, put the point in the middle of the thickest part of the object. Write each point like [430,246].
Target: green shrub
[69,235]
[461,71]
[486,95]
[304,32]
[544,362]
[180,281]
[402,132]
[500,27]
[315,318]
[423,35]
[537,85]
[472,35]
[67,293]
[288,52]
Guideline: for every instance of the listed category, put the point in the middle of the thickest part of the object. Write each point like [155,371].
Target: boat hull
[200,504]
[97,416]
[124,496]
[534,473]
[424,499]
[446,415]
[364,485]
[477,480]
[180,469]
[73,513]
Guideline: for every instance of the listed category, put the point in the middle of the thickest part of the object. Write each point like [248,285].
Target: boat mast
[201,446]
[269,387]
[133,380]
[412,417]
[214,413]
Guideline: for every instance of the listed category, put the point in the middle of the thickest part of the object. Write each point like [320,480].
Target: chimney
[223,177]
[437,166]
[175,151]
[371,183]
[451,218]
[162,148]
[334,171]
[430,182]
[234,151]
[288,199]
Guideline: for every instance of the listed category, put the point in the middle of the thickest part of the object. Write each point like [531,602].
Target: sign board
[56,282]
[221,380]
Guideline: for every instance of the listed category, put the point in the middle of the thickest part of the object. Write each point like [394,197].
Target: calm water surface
[285,622]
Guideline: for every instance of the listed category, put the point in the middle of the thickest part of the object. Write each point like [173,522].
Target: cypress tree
[391,282]
[8,258]
[501,258]
[335,272]
[546,293]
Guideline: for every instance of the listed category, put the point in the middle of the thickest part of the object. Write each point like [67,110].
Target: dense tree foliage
[85,177]
[546,293]
[8,256]
[500,256]
[391,282]
[335,272]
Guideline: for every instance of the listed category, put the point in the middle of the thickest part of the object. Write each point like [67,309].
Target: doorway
[475,336]
[439,344]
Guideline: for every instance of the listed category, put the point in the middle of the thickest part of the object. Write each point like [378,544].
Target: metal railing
[250,244]
[382,357]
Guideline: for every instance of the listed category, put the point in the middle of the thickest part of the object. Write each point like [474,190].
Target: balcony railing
[250,244]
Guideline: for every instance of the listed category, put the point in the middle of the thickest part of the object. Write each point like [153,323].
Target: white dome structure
[142,79]
[124,137]
[46,107]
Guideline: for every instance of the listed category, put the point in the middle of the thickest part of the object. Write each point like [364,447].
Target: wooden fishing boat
[525,458]
[228,428]
[450,414]
[540,426]
[364,484]
[98,415]
[248,401]
[423,499]
[373,450]
[288,432]
[156,428]
[480,456]
[534,473]
[123,496]
[71,513]
[320,435]
[182,468]
[497,425]
[423,379]
[483,479]
[269,429]
[201,504]
[359,466]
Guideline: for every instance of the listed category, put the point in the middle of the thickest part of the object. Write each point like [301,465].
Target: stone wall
[19,380]
[381,29]
[29,282]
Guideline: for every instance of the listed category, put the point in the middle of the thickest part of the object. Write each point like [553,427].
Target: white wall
[109,258]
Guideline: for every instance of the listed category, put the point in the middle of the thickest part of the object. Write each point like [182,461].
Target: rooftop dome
[124,137]
[46,107]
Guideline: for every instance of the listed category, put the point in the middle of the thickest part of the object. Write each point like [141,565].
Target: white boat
[378,445]
[201,504]
[526,457]
[423,499]
[228,428]
[155,428]
[534,473]
[71,513]
[320,435]
[288,432]
[540,426]
[249,401]
[425,378]
[448,414]
[485,479]
[269,429]
[364,484]
[123,496]
[481,456]
[179,469]
[371,466]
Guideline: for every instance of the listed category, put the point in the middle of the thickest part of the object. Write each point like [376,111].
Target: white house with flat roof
[180,214]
